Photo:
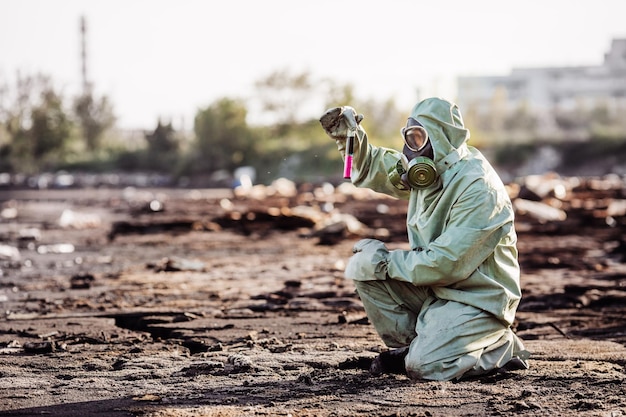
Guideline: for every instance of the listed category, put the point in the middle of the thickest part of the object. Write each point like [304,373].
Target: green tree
[223,138]
[94,116]
[37,126]
[283,96]
[163,147]
[338,94]
[295,145]
[383,121]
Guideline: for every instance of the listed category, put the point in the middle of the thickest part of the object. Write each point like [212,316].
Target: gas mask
[415,169]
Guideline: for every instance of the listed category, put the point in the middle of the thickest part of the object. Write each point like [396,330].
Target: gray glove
[369,262]
[335,124]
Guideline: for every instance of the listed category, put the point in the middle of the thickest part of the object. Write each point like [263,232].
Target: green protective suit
[452,298]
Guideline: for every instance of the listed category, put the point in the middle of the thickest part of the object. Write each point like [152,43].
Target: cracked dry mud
[226,306]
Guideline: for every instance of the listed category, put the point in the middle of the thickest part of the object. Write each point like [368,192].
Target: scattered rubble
[72,219]
[233,302]
[11,253]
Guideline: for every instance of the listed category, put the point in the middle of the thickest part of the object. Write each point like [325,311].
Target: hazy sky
[166,58]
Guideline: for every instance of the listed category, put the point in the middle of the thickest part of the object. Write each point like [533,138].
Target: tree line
[43,130]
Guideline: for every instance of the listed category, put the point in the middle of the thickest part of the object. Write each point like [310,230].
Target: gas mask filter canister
[421,173]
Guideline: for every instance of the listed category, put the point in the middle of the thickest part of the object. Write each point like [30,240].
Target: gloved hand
[335,124]
[369,262]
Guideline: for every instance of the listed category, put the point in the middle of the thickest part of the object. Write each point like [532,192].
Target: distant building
[554,101]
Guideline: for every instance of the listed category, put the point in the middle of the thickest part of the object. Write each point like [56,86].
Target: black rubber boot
[390,362]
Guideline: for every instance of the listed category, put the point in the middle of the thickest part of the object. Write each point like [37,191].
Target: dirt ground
[205,303]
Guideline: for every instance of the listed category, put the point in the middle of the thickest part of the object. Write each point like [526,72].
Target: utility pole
[83,55]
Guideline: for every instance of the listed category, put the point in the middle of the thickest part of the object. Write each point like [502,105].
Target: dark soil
[199,302]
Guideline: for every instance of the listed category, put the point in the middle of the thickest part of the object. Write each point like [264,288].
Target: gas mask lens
[415,137]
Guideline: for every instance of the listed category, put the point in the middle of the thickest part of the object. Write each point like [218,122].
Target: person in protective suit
[446,306]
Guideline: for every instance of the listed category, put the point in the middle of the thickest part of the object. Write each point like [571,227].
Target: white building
[557,101]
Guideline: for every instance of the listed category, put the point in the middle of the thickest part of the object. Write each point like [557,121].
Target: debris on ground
[227,302]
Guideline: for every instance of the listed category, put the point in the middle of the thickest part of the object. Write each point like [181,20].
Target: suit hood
[443,121]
